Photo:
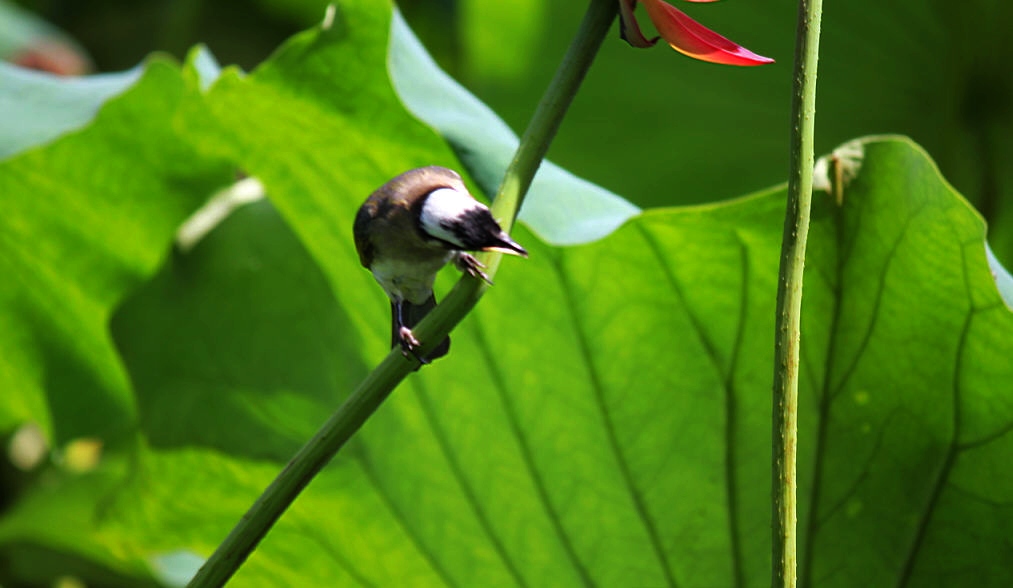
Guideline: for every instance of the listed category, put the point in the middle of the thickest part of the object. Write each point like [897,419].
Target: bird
[411,227]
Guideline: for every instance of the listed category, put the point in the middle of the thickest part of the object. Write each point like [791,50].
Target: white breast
[408,280]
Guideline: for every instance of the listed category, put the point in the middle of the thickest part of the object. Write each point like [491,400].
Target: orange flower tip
[742,57]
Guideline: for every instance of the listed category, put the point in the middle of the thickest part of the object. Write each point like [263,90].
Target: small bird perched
[411,227]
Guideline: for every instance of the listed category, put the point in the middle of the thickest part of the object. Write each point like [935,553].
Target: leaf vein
[446,447]
[636,496]
[387,499]
[527,455]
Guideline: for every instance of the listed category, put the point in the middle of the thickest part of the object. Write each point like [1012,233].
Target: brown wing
[360,230]
[388,214]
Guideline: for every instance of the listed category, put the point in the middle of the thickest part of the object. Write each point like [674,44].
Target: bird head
[451,215]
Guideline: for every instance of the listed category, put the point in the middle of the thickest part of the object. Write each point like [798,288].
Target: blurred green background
[936,71]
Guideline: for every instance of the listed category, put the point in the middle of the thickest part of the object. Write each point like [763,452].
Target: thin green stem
[313,456]
[549,114]
[371,393]
[532,149]
[789,296]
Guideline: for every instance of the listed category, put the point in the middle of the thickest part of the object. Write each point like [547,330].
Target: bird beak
[504,244]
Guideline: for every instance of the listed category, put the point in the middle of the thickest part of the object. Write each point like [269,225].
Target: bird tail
[412,314]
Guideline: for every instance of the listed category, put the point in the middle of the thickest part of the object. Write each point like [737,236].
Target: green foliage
[68,103]
[500,39]
[922,69]
[80,229]
[560,208]
[603,417]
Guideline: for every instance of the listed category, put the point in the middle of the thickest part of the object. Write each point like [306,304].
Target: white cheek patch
[445,206]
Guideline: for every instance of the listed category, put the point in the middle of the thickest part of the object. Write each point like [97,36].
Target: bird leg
[405,337]
[468,264]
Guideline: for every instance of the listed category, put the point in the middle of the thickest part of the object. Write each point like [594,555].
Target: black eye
[475,228]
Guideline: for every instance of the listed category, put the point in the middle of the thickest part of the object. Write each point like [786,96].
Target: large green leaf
[38,107]
[84,220]
[910,385]
[603,417]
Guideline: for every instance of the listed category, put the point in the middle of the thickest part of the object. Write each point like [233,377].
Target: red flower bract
[684,34]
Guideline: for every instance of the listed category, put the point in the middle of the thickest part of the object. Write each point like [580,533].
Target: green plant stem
[549,114]
[371,393]
[532,149]
[789,296]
